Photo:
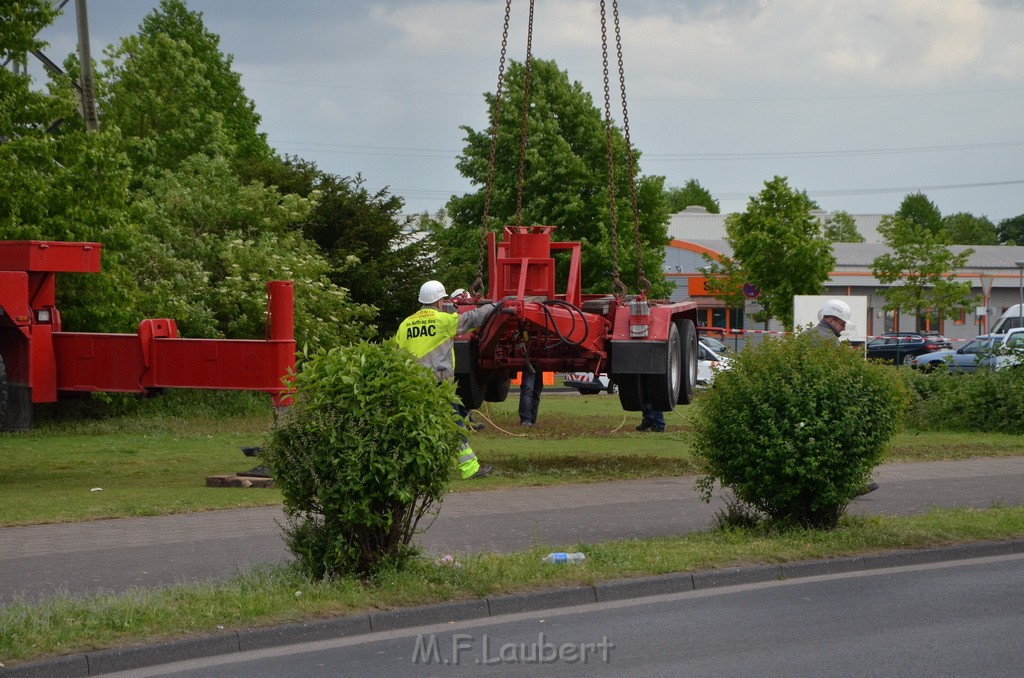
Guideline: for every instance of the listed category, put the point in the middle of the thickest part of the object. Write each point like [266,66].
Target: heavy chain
[526,116]
[478,284]
[618,288]
[643,283]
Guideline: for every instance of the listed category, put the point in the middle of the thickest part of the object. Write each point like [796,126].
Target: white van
[1008,320]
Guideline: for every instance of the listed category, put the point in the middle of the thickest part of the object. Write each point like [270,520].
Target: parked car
[588,383]
[1009,352]
[715,345]
[708,363]
[967,358]
[903,347]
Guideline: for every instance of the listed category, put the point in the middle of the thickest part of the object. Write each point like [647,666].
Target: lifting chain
[618,287]
[478,284]
[642,282]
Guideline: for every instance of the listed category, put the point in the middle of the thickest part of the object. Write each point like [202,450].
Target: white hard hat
[432,291]
[835,308]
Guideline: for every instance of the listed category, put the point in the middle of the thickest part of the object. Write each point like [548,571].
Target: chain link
[478,284]
[642,282]
[618,287]
[526,116]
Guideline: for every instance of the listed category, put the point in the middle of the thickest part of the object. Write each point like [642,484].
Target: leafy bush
[366,451]
[795,427]
[986,400]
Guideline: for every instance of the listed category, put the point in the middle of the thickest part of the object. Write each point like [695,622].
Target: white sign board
[806,307]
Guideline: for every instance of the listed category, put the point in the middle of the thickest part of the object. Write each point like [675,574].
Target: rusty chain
[526,115]
[618,287]
[478,284]
[643,283]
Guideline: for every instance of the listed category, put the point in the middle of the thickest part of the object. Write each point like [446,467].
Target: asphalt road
[115,555]
[960,618]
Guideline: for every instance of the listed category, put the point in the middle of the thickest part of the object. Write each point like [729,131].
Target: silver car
[967,358]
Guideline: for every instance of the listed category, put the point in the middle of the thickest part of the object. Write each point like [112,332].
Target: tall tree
[920,272]
[963,228]
[779,245]
[840,226]
[373,250]
[172,93]
[565,183]
[59,183]
[1011,230]
[916,207]
[691,193]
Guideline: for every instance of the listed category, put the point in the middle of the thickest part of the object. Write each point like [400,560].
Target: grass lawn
[157,464]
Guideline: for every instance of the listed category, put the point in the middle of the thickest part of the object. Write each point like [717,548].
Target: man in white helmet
[832,319]
[429,334]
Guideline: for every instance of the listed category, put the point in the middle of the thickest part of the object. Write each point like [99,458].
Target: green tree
[840,226]
[920,271]
[691,193]
[61,184]
[172,94]
[215,241]
[373,251]
[1011,231]
[565,183]
[779,245]
[916,207]
[963,228]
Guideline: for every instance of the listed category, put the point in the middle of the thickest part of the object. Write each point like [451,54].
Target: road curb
[139,656]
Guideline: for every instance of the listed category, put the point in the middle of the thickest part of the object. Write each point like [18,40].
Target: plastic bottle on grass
[562,557]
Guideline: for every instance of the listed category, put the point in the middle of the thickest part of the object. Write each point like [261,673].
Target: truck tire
[497,388]
[688,357]
[3,393]
[662,390]
[471,388]
[631,394]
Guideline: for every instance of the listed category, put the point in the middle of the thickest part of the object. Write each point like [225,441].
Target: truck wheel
[470,388]
[631,393]
[497,388]
[688,344]
[663,390]
[3,393]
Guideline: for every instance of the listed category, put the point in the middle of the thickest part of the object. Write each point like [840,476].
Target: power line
[836,192]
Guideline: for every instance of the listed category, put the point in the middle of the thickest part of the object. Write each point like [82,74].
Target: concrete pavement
[115,555]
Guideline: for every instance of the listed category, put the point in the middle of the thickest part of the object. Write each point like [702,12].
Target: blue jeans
[529,396]
[653,419]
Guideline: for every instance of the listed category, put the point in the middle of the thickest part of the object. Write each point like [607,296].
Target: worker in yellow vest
[429,334]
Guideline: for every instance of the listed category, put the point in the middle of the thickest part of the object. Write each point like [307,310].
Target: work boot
[645,426]
[482,472]
[526,424]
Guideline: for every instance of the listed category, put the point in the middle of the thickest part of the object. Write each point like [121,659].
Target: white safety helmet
[835,308]
[431,292]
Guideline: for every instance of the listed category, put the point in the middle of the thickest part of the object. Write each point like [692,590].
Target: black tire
[631,393]
[908,359]
[497,388]
[662,391]
[688,359]
[471,389]
[613,388]
[3,393]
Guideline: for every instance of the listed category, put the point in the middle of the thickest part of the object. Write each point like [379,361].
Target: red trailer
[647,347]
[39,363]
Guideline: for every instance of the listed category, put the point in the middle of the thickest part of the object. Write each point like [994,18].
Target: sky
[857,102]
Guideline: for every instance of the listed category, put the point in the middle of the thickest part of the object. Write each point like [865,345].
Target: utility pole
[86,93]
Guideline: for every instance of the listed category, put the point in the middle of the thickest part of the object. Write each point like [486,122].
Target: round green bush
[367,449]
[795,427]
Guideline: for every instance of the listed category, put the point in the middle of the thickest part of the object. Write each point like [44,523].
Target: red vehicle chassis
[40,363]
[648,348]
